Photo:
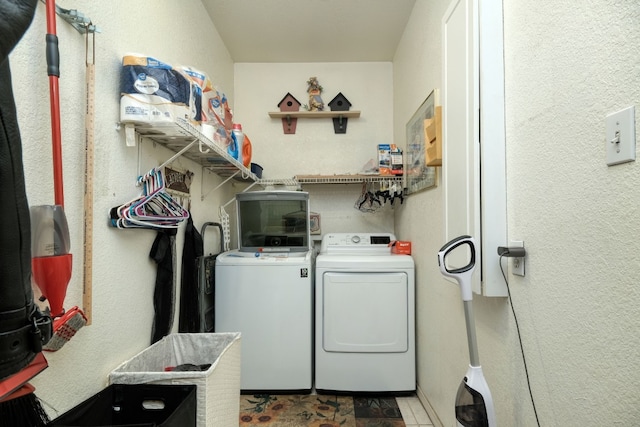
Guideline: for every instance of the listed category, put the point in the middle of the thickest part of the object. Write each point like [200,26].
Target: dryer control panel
[357,243]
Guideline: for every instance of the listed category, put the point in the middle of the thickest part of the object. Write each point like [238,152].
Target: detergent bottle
[237,137]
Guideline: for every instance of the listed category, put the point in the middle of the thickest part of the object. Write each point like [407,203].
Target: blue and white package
[153,91]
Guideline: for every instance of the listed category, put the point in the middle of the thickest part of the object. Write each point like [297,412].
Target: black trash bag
[23,329]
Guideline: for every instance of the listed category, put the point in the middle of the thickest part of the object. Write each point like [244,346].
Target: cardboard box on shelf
[396,160]
[384,159]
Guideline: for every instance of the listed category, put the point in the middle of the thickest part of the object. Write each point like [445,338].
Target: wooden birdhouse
[340,103]
[289,103]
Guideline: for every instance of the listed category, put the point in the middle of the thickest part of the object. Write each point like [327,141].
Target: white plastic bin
[218,388]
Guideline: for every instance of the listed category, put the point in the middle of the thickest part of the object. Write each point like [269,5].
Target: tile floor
[413,412]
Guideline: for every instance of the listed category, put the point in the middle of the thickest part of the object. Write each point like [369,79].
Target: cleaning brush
[64,328]
[22,408]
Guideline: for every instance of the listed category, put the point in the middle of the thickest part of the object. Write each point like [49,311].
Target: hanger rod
[77,20]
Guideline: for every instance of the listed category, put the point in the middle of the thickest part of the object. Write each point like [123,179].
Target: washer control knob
[355,239]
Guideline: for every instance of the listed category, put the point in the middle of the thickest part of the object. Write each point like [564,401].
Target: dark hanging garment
[164,295]
[189,291]
[23,329]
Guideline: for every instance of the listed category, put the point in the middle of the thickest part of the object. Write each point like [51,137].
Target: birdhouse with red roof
[289,103]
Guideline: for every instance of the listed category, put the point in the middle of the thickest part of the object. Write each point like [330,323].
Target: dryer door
[365,312]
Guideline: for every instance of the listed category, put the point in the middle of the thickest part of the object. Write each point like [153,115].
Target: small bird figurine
[315,100]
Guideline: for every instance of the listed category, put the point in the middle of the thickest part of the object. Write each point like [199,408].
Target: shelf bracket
[219,185]
[178,154]
[250,186]
[233,200]
[289,124]
[200,144]
[340,124]
[130,135]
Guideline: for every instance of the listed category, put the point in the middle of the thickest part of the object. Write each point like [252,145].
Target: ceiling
[310,30]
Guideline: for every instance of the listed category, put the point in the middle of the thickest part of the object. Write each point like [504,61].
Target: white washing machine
[264,290]
[365,315]
[268,298]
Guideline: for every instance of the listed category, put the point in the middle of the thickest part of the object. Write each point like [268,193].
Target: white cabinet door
[473,167]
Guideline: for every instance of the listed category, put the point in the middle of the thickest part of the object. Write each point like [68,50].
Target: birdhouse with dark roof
[289,103]
[340,103]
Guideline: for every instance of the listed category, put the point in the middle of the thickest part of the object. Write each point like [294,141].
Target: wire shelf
[345,179]
[287,182]
[177,135]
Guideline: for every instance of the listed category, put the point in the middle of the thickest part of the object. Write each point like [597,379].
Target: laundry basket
[218,387]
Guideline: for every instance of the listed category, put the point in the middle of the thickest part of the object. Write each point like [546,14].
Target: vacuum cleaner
[474,405]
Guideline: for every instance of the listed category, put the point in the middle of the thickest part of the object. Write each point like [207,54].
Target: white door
[473,135]
[365,312]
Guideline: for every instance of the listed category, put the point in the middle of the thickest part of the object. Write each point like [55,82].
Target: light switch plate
[621,136]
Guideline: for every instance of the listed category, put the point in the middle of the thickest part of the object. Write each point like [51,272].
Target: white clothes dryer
[365,315]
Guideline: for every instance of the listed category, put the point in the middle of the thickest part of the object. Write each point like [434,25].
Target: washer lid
[237,257]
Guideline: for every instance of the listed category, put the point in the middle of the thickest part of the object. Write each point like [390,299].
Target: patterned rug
[315,410]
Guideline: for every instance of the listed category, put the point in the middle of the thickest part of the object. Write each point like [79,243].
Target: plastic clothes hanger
[158,206]
[155,208]
[145,180]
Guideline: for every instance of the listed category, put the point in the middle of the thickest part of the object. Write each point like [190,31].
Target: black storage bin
[135,405]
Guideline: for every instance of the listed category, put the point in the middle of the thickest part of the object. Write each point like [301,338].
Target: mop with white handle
[474,405]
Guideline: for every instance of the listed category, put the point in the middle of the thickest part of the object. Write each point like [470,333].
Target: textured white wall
[441,344]
[123,274]
[315,148]
[567,67]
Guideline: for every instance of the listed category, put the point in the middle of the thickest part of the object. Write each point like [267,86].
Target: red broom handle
[51,16]
[53,70]
[56,146]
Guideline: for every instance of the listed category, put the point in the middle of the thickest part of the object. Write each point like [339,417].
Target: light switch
[621,136]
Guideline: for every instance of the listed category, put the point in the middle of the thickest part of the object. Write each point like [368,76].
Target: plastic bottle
[238,140]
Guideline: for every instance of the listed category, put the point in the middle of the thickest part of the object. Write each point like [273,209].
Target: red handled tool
[51,260]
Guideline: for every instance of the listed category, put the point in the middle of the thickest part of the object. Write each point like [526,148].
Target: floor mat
[377,412]
[318,411]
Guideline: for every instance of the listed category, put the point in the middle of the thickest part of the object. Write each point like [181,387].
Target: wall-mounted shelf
[186,140]
[290,118]
[345,179]
[313,114]
[179,135]
[287,182]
